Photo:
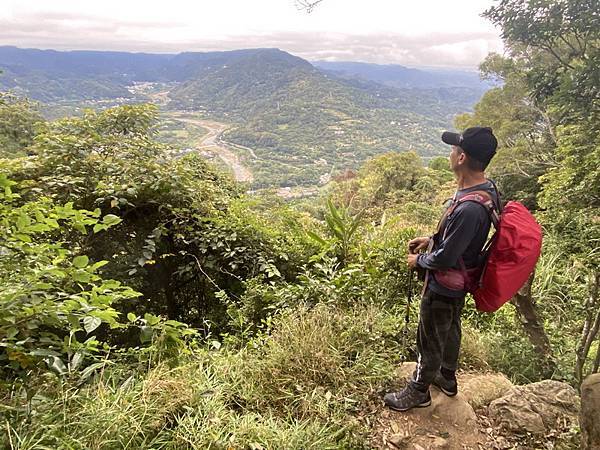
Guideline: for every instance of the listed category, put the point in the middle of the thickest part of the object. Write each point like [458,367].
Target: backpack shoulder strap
[484,199]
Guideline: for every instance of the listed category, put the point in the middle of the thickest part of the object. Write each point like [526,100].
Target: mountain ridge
[301,121]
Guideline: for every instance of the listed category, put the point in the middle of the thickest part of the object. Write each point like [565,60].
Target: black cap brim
[451,138]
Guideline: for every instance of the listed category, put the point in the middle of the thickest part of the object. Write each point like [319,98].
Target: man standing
[455,248]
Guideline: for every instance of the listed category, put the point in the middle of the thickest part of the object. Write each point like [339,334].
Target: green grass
[299,387]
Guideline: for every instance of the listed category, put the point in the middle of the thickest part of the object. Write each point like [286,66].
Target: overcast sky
[408,32]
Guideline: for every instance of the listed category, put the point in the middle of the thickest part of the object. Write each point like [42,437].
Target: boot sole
[420,405]
[448,393]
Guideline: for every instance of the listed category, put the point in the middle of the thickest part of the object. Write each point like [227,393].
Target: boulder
[449,410]
[535,408]
[589,418]
[477,389]
[480,389]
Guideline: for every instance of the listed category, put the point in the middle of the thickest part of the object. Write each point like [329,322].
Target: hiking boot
[409,397]
[448,387]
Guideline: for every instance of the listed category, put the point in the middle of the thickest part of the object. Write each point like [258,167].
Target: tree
[18,120]
[181,240]
[390,173]
[556,47]
[525,133]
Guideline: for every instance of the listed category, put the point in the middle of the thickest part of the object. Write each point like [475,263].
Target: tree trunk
[591,327]
[597,360]
[534,328]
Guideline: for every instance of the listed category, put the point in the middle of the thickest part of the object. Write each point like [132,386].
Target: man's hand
[418,244]
[412,261]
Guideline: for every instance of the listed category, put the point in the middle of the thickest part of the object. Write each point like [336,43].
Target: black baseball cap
[477,142]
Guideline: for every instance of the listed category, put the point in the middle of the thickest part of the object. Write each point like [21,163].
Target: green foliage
[298,387]
[390,174]
[525,135]
[546,117]
[175,239]
[440,163]
[262,324]
[54,300]
[571,193]
[396,186]
[342,227]
[562,41]
[18,119]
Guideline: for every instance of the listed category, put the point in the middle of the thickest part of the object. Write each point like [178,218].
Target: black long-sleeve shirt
[464,234]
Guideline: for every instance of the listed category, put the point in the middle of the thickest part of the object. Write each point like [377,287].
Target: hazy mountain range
[301,119]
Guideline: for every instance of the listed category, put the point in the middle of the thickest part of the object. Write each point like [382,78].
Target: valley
[212,143]
[290,124]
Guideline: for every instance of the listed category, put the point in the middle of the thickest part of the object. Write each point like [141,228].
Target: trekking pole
[407,314]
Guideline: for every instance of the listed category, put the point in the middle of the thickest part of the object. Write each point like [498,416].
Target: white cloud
[430,32]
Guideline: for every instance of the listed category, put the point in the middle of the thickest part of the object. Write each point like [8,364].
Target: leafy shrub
[53,299]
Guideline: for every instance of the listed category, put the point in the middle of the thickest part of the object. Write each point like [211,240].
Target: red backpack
[509,256]
[512,255]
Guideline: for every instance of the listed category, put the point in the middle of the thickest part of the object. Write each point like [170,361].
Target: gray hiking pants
[438,336]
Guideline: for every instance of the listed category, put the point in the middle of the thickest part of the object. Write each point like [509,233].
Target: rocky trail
[488,413]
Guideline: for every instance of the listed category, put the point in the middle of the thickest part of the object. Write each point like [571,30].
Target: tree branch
[307,5]
[577,52]
[534,327]
[551,50]
[590,329]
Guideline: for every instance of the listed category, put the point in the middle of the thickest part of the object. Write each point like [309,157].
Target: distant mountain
[404,77]
[301,121]
[244,83]
[306,122]
[50,75]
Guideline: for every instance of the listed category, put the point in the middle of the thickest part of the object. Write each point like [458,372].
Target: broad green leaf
[146,334]
[44,352]
[74,322]
[85,373]
[151,319]
[79,227]
[76,361]
[23,221]
[81,261]
[11,332]
[111,219]
[57,365]
[99,264]
[82,276]
[316,237]
[51,222]
[23,237]
[99,227]
[90,323]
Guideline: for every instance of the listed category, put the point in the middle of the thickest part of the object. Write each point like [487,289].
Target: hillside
[403,77]
[302,123]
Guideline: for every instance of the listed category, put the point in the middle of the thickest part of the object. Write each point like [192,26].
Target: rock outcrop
[536,408]
[488,412]
[590,413]
[481,389]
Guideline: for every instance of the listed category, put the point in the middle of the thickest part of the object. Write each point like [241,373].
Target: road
[210,142]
